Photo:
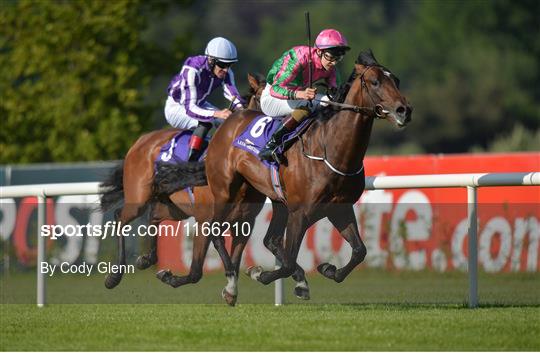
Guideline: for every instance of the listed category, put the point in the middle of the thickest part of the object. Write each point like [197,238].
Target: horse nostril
[400,110]
[408,113]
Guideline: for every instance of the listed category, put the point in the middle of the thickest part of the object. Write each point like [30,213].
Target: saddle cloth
[176,150]
[260,130]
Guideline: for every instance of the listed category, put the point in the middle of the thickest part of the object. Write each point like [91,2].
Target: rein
[377,111]
[328,164]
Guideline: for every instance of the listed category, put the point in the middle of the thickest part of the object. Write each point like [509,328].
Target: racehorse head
[257,82]
[376,87]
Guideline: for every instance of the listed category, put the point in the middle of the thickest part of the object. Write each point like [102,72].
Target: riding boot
[196,141]
[270,151]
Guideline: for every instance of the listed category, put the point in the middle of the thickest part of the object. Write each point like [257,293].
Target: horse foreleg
[159,212]
[200,248]
[273,241]
[345,221]
[146,260]
[150,258]
[296,227]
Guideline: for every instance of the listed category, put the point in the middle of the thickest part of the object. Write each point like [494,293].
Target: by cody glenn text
[84,268]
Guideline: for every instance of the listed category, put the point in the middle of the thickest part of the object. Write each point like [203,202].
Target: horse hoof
[327,270]
[302,293]
[112,280]
[229,298]
[254,272]
[143,262]
[164,275]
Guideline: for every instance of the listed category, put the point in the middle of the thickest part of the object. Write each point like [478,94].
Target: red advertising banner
[402,229]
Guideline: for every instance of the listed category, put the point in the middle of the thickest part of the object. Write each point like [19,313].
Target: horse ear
[366,57]
[253,82]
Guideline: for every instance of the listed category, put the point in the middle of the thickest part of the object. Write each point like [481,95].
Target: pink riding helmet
[330,38]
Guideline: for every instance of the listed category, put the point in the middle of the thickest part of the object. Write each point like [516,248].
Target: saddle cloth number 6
[258,129]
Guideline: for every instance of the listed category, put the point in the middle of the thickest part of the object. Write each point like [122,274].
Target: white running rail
[469,181]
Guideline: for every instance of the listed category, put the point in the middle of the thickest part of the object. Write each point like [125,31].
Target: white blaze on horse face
[231,287]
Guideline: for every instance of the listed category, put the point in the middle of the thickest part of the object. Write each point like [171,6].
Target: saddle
[261,129]
[176,150]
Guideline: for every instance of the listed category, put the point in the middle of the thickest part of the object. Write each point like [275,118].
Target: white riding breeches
[176,115]
[272,106]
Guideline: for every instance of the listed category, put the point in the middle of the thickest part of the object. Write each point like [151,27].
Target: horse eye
[375,82]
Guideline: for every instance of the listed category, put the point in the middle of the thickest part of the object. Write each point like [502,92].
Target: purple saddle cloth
[176,150]
[260,130]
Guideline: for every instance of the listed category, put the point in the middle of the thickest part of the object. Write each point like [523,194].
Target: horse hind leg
[137,177]
[345,221]
[227,208]
[123,217]
[200,248]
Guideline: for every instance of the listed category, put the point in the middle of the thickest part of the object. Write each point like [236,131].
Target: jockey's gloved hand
[324,101]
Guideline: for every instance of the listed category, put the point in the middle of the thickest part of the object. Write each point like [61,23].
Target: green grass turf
[372,310]
[364,286]
[254,327]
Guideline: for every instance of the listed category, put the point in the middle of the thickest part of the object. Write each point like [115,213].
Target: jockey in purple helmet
[187,107]
[288,91]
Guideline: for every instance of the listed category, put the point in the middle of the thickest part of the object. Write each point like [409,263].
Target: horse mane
[365,58]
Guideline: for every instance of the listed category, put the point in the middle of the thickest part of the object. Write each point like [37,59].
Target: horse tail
[115,185]
[171,178]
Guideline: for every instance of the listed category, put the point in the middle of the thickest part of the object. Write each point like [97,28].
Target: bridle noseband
[377,111]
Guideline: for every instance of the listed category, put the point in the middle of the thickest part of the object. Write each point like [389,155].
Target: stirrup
[278,157]
[266,152]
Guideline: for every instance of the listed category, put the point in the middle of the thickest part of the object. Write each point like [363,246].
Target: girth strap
[276,183]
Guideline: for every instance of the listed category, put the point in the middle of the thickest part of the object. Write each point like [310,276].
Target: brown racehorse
[324,175]
[134,183]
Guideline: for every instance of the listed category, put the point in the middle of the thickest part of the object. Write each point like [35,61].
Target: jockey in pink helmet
[288,91]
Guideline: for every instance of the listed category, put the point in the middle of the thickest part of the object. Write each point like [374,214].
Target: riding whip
[308,32]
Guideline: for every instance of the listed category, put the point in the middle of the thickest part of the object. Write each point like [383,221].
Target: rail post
[472,219]
[279,288]
[42,207]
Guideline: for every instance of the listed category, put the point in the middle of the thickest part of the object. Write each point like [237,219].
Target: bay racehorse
[324,175]
[135,185]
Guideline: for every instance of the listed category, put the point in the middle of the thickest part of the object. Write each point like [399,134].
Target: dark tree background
[81,80]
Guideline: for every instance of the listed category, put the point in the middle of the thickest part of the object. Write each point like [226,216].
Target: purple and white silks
[195,82]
